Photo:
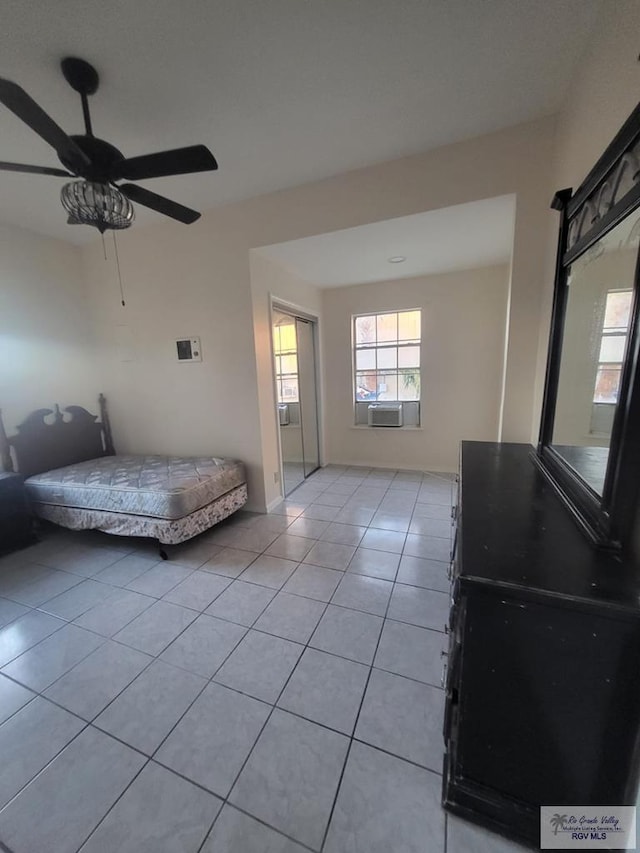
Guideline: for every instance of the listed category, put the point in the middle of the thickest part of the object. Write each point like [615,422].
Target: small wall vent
[385,415]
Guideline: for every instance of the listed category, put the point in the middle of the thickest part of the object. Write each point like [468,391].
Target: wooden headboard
[40,446]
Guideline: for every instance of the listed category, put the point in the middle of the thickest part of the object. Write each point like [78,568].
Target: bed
[74,478]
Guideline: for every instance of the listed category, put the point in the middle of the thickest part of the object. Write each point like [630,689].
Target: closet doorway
[294,347]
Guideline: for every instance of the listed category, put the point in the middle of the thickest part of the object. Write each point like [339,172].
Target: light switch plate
[189,349]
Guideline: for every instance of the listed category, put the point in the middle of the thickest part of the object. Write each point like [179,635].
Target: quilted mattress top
[156,486]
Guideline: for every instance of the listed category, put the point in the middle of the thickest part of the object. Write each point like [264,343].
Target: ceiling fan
[96,198]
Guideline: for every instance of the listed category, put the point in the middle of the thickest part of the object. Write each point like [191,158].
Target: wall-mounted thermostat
[189,349]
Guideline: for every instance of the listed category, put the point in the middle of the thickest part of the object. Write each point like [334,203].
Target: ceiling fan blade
[34,170]
[16,99]
[180,161]
[159,203]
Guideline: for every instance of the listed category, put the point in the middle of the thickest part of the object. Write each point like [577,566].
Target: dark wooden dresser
[543,675]
[16,521]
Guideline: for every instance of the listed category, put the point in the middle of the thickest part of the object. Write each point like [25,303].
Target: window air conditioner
[283,414]
[385,415]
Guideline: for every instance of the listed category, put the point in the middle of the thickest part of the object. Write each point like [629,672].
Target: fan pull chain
[115,246]
[104,246]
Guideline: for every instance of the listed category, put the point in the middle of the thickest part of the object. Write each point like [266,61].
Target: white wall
[464,318]
[604,90]
[179,282]
[196,280]
[46,355]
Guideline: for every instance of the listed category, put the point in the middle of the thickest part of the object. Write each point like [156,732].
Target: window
[286,354]
[387,356]
[612,344]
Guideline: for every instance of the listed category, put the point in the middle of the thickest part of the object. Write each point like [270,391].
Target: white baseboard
[274,503]
[436,469]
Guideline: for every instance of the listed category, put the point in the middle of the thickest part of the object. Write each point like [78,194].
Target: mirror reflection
[295,377]
[598,311]
[285,346]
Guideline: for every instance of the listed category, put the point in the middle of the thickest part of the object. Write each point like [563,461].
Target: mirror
[295,378]
[285,347]
[599,307]
[589,441]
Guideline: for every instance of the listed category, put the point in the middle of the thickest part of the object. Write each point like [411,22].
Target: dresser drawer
[16,522]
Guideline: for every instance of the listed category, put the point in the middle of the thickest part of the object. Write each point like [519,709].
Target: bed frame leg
[162,552]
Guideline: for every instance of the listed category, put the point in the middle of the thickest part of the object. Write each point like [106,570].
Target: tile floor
[273,688]
[293,475]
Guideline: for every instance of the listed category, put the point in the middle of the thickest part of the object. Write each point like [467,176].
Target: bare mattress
[164,487]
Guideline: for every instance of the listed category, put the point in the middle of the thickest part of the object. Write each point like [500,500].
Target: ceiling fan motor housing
[103,157]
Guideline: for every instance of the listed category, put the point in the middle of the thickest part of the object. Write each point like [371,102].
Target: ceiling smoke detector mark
[189,349]
[396,259]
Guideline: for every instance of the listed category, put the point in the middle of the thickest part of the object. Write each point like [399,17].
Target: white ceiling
[282,91]
[465,236]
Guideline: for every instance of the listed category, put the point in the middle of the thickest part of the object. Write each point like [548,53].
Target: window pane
[387,358]
[289,364]
[618,308]
[387,386]
[409,326]
[365,359]
[385,371]
[387,327]
[285,338]
[607,385]
[409,386]
[289,390]
[612,348]
[366,330]
[409,357]
[366,386]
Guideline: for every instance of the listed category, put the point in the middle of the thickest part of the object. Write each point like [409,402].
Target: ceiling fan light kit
[96,199]
[100,205]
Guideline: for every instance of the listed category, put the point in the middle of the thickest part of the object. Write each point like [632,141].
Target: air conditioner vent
[283,414]
[385,415]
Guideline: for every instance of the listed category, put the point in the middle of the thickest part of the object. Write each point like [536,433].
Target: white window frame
[281,377]
[607,332]
[414,404]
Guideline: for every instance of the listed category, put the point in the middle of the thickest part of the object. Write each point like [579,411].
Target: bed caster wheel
[163,554]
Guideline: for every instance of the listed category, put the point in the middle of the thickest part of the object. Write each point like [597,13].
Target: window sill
[387,429]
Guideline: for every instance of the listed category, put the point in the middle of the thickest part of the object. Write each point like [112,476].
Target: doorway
[294,347]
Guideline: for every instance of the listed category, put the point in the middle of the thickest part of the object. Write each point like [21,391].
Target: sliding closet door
[308,396]
[285,348]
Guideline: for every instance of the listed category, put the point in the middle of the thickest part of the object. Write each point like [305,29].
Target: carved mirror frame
[609,193]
